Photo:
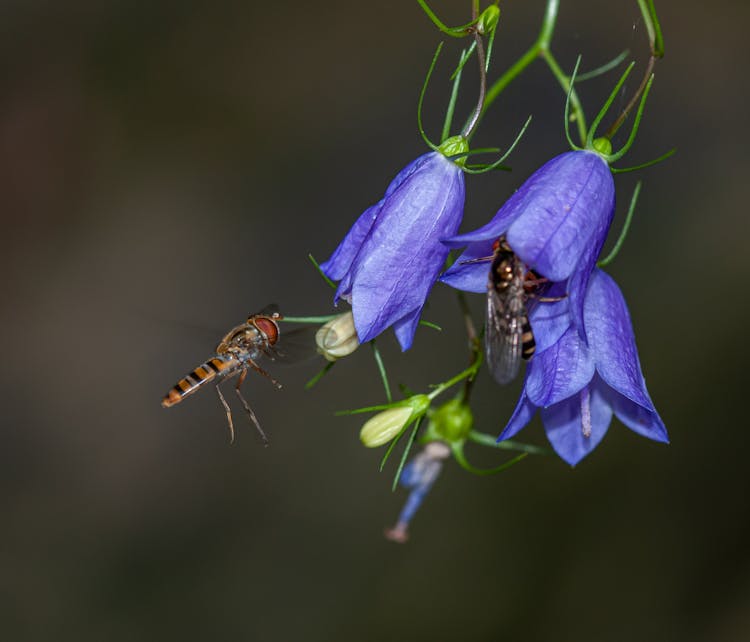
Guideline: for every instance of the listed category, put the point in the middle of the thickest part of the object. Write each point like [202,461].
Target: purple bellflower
[391,257]
[556,222]
[578,388]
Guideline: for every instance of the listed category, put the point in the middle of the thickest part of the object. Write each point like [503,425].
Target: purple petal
[577,287]
[522,415]
[646,423]
[564,424]
[567,208]
[469,274]
[560,371]
[402,255]
[341,260]
[549,319]
[405,329]
[610,335]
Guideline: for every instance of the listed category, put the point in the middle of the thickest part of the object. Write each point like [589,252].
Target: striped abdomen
[527,339]
[200,376]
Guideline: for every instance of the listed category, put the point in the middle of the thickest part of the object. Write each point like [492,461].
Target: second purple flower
[390,258]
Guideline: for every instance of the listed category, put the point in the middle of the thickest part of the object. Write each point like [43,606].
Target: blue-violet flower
[577,387]
[556,222]
[392,255]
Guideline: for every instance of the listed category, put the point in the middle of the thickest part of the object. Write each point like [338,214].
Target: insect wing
[503,339]
[294,346]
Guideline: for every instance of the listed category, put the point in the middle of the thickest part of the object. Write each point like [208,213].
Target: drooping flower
[556,222]
[577,388]
[392,255]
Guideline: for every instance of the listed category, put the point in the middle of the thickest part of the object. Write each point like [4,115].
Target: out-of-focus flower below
[390,258]
[418,476]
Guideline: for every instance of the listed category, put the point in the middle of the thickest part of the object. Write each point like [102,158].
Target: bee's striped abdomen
[527,338]
[197,378]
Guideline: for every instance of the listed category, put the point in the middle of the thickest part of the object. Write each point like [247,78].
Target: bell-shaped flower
[556,222]
[578,388]
[390,258]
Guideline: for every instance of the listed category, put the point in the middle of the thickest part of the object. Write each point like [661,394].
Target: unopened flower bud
[488,20]
[452,421]
[384,426]
[338,337]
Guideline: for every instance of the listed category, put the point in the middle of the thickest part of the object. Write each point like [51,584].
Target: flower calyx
[450,422]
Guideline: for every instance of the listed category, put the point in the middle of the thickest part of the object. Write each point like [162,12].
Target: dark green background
[164,170]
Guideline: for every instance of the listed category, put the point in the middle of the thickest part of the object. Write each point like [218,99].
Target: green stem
[492,442]
[540,48]
[575,102]
[471,372]
[324,319]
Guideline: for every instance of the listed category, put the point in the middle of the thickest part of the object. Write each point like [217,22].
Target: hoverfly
[239,350]
[509,337]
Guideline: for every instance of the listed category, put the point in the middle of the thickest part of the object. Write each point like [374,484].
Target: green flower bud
[602,145]
[387,424]
[488,20]
[338,337]
[384,426]
[452,421]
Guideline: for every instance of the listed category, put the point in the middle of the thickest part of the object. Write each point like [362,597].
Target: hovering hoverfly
[509,337]
[239,350]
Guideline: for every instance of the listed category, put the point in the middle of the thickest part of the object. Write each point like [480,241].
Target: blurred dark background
[166,167]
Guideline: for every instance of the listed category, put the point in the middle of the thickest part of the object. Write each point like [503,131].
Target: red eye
[267,327]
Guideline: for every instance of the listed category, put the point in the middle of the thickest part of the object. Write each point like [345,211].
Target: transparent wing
[503,340]
[294,346]
[268,310]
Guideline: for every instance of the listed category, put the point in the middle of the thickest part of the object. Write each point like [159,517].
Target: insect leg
[229,413]
[550,299]
[248,409]
[259,370]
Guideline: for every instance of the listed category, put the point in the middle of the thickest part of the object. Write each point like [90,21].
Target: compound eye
[268,327]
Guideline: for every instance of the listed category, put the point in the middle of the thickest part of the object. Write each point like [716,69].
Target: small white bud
[337,338]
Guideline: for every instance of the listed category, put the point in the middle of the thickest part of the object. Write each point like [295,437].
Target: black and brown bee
[240,348]
[509,338]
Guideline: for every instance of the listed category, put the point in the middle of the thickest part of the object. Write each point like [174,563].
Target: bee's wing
[294,346]
[503,338]
[268,310]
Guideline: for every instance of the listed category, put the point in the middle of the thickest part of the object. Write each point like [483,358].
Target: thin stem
[565,83]
[625,227]
[405,454]
[454,96]
[324,319]
[471,334]
[470,127]
[540,48]
[656,48]
[471,371]
[458,453]
[381,369]
[633,101]
[492,442]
